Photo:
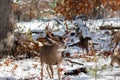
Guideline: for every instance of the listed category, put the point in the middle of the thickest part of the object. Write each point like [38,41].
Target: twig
[73,62]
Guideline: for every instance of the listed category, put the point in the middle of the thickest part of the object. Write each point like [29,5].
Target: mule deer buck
[51,53]
[115,38]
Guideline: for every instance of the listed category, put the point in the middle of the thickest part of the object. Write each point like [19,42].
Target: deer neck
[81,38]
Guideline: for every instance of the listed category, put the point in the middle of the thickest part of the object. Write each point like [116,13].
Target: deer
[85,43]
[115,39]
[115,57]
[51,53]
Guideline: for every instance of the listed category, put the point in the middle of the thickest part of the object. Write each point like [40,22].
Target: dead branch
[73,62]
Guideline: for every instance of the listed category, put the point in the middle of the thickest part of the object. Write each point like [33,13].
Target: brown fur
[115,38]
[84,43]
[51,55]
[115,58]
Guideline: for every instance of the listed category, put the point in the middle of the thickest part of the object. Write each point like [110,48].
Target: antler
[48,32]
[50,35]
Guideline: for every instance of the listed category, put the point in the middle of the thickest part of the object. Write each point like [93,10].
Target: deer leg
[41,71]
[111,63]
[47,68]
[58,71]
[83,50]
[87,50]
[115,47]
[91,47]
[51,69]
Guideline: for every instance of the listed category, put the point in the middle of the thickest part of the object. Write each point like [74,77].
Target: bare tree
[6,26]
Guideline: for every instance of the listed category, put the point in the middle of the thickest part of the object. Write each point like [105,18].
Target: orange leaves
[42,40]
[70,8]
[107,53]
[26,48]
[15,67]
[35,65]
[8,61]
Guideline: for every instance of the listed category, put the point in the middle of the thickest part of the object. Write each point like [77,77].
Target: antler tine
[48,33]
[67,29]
[51,37]
[52,40]
[47,27]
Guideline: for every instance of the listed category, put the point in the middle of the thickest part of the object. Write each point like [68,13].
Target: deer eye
[112,38]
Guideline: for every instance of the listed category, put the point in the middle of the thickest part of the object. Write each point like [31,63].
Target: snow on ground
[29,69]
[94,24]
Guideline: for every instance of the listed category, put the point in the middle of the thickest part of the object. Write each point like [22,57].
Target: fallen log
[76,71]
[106,27]
[73,62]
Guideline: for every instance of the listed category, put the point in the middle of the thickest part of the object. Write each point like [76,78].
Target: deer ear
[112,32]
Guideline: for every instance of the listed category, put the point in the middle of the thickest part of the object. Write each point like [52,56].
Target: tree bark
[6,26]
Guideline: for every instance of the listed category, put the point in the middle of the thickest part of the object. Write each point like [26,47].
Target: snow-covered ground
[99,69]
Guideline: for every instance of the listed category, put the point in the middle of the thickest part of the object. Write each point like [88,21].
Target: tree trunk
[6,26]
